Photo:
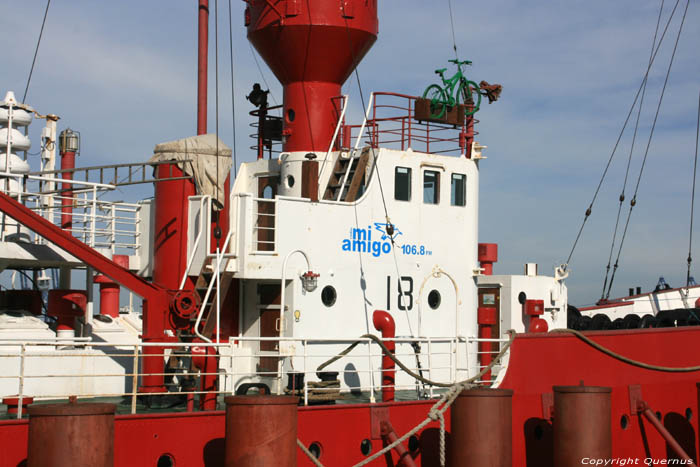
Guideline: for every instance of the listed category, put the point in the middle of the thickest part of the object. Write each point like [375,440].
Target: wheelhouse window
[431,187]
[459,190]
[402,184]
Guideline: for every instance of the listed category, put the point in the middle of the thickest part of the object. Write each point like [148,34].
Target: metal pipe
[203,50]
[670,440]
[389,436]
[384,323]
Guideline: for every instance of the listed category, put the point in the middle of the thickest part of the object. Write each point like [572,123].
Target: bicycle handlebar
[457,62]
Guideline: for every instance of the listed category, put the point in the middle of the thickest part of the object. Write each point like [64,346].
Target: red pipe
[67,162]
[486,318]
[207,361]
[202,67]
[384,323]
[672,443]
[389,436]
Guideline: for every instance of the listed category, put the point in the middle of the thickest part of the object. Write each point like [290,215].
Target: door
[269,309]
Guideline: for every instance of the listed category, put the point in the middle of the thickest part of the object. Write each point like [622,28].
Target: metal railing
[96,222]
[58,368]
[264,225]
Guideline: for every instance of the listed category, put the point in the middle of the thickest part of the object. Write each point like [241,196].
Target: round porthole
[689,414]
[366,447]
[315,449]
[328,295]
[290,115]
[624,422]
[290,181]
[166,460]
[434,299]
[521,298]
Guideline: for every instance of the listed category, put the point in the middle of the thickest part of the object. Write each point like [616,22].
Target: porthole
[290,181]
[689,414]
[328,295]
[166,460]
[624,422]
[315,449]
[434,299]
[521,298]
[366,447]
[413,443]
[290,115]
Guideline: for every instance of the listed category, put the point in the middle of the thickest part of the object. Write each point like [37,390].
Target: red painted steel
[67,162]
[155,303]
[384,323]
[668,437]
[12,404]
[65,306]
[486,319]
[481,428]
[582,427]
[261,430]
[203,50]
[206,360]
[312,47]
[488,254]
[71,435]
[109,290]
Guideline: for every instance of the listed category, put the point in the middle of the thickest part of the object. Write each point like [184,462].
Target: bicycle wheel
[468,93]
[436,96]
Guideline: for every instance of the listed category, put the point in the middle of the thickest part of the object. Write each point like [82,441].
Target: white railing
[49,369]
[96,222]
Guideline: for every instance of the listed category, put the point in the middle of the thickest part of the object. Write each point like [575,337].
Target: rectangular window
[402,184]
[459,190]
[431,187]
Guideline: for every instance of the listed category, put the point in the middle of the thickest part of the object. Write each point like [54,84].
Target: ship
[328,303]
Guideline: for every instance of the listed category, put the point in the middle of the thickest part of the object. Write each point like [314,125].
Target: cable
[262,75]
[452,24]
[589,210]
[629,159]
[633,202]
[233,95]
[692,197]
[36,51]
[217,229]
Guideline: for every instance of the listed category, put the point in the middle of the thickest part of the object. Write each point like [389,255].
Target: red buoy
[71,435]
[481,432]
[581,424]
[261,430]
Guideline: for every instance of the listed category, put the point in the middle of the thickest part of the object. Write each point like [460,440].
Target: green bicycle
[441,98]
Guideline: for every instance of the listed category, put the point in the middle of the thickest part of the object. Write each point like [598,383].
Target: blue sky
[124,74]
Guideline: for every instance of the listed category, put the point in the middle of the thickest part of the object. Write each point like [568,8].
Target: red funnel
[312,46]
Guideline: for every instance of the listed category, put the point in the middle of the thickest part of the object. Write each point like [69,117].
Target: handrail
[217,272]
[335,135]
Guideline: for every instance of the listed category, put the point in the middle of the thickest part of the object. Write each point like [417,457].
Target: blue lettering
[346,245]
[358,245]
[386,247]
[359,234]
[376,249]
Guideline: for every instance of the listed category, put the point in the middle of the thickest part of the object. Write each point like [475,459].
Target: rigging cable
[262,75]
[633,202]
[624,126]
[629,159]
[233,96]
[452,24]
[692,198]
[36,51]
[217,215]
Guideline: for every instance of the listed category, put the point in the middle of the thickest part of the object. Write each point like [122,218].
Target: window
[459,190]
[431,187]
[402,184]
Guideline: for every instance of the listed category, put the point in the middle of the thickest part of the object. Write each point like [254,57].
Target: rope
[436,412]
[233,94]
[36,51]
[619,137]
[629,159]
[624,359]
[633,202]
[692,198]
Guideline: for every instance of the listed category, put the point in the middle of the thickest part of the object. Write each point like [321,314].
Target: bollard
[71,435]
[482,431]
[581,424]
[261,431]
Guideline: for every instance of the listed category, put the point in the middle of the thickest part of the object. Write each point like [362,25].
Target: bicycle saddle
[441,71]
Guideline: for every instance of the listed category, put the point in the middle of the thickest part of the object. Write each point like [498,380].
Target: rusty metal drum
[71,435]
[261,431]
[481,432]
[582,424]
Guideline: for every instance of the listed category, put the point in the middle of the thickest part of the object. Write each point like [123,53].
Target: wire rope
[36,51]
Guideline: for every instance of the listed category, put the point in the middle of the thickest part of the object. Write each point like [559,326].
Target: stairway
[208,293]
[348,177]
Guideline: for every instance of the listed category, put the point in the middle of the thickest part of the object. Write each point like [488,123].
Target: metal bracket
[547,405]
[636,401]
[377,415]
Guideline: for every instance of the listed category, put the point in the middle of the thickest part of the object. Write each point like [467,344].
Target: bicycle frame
[451,84]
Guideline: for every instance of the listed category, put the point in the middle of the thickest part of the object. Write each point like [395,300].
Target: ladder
[348,177]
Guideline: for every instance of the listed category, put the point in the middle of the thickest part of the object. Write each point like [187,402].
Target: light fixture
[309,280]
